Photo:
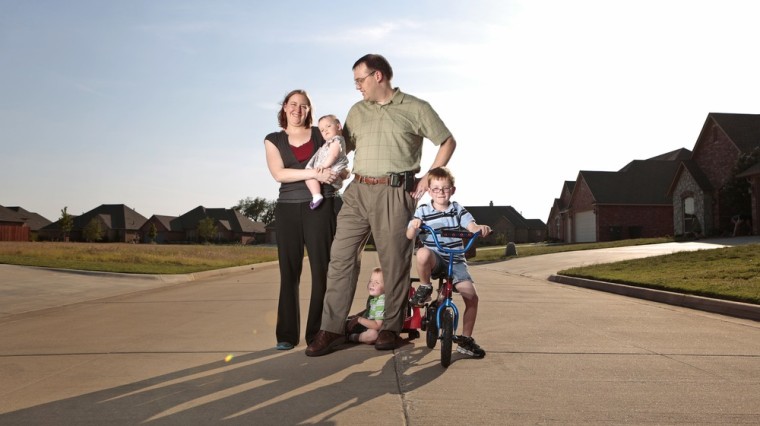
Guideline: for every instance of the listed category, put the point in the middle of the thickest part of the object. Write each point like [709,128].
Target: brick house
[12,228]
[118,222]
[753,176]
[167,229]
[698,191]
[629,203]
[18,224]
[508,225]
[558,224]
[231,227]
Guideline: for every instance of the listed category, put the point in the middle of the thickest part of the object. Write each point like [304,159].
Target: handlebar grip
[457,234]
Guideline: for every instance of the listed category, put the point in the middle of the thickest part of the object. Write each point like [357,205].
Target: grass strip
[730,273]
[134,258]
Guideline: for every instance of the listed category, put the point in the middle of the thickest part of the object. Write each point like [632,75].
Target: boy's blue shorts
[459,271]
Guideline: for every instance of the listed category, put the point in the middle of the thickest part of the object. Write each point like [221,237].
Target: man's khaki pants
[384,212]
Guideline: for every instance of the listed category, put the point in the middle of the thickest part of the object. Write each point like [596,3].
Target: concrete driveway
[112,349]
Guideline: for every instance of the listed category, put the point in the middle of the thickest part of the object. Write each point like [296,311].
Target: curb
[167,278]
[724,307]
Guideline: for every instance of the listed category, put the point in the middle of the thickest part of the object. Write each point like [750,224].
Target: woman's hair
[376,62]
[283,120]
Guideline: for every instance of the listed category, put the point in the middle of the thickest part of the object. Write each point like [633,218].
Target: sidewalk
[199,351]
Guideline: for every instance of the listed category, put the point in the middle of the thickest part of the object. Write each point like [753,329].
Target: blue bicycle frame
[448,288]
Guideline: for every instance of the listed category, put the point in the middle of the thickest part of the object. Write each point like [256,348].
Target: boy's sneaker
[467,346]
[422,294]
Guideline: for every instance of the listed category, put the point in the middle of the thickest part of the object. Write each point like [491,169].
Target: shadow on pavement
[266,387]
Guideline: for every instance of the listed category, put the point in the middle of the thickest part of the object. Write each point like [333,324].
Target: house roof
[116,216]
[33,220]
[640,182]
[230,219]
[563,201]
[570,185]
[165,221]
[247,224]
[678,154]
[535,224]
[489,215]
[56,226]
[754,170]
[673,156]
[699,176]
[742,129]
[8,215]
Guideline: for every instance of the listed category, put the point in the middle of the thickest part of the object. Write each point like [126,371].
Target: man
[386,129]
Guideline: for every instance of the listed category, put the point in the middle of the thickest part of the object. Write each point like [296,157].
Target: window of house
[689,218]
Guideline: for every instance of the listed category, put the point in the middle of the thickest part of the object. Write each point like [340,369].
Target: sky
[164,105]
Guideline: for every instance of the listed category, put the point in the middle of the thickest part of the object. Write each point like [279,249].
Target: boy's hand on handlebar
[484,230]
[413,228]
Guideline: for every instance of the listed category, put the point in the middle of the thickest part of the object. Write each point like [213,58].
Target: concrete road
[199,350]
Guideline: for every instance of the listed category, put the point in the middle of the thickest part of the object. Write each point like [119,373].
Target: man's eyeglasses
[359,81]
[445,190]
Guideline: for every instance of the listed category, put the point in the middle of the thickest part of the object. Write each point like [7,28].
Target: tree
[92,231]
[268,216]
[257,209]
[67,223]
[152,232]
[736,195]
[206,229]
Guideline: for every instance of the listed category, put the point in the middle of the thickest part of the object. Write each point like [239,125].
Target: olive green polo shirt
[388,138]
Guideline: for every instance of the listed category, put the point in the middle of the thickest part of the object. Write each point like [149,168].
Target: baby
[330,155]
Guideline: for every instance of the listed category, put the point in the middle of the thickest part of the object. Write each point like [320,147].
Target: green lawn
[729,273]
[134,258]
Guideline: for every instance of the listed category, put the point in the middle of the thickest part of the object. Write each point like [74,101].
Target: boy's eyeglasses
[445,190]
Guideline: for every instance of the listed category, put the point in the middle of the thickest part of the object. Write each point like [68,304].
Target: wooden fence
[14,233]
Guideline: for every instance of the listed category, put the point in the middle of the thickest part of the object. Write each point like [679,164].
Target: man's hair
[440,173]
[283,120]
[376,62]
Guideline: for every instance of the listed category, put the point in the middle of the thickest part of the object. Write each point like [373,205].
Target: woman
[288,151]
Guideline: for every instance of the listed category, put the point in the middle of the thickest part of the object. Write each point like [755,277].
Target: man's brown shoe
[324,343]
[386,341]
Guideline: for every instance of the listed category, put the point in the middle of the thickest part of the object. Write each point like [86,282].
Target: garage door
[585,227]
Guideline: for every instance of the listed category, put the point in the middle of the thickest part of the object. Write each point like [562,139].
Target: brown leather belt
[372,180]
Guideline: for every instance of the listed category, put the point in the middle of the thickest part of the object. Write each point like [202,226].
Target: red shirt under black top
[303,152]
